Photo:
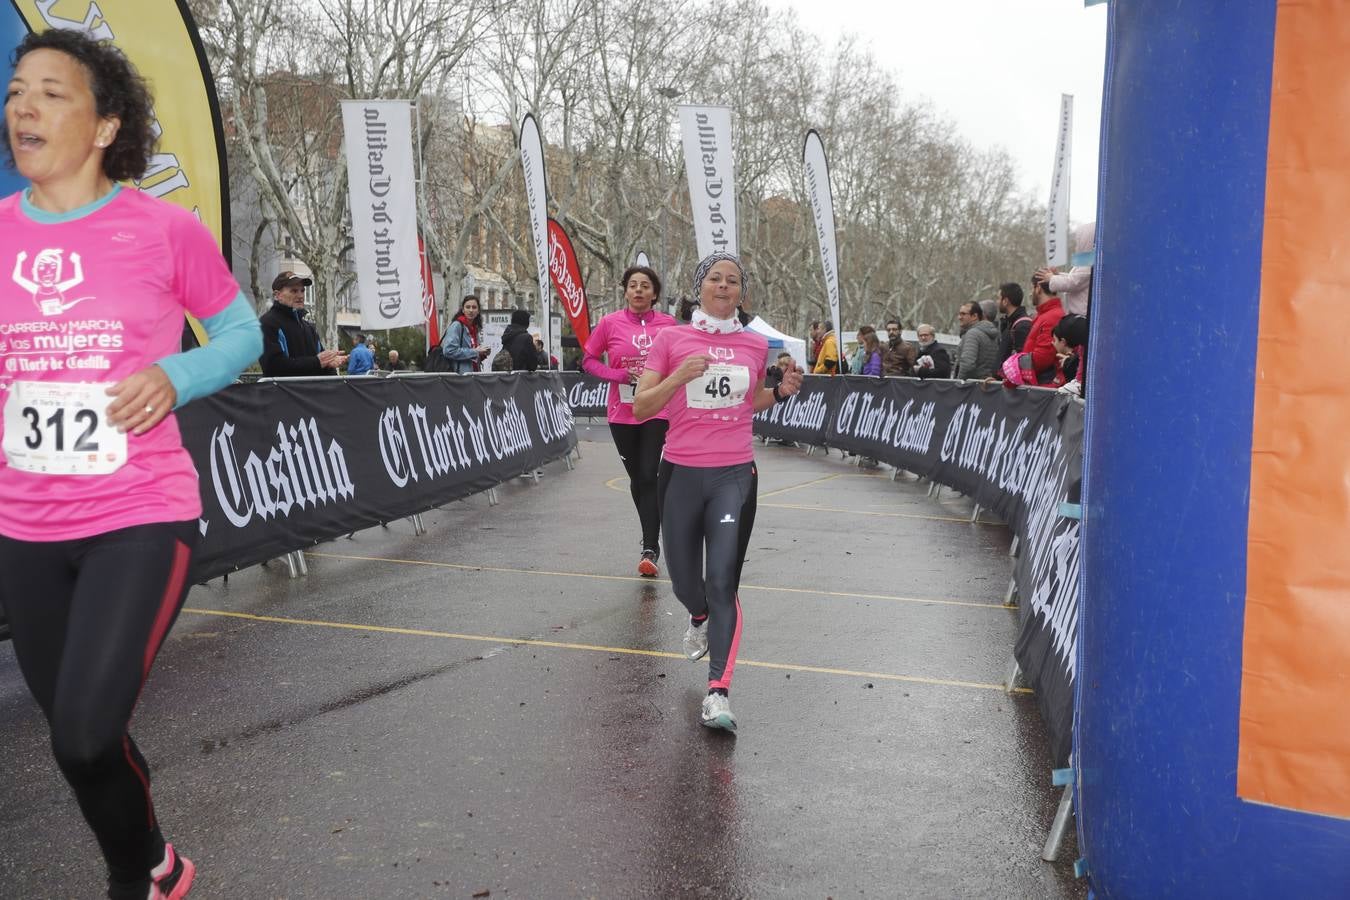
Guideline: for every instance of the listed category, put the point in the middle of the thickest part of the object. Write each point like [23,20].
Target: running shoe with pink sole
[172,878]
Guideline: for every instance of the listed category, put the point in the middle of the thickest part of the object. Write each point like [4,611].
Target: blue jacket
[361,360]
[457,347]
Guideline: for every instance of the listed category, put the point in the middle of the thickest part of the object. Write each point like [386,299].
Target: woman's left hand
[791,383]
[141,401]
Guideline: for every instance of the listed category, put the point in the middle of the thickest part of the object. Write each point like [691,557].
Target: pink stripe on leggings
[725,681]
[168,604]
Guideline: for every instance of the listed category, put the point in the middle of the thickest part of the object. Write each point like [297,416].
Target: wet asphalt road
[499,706]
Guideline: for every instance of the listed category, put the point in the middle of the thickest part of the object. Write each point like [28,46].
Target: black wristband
[777,397]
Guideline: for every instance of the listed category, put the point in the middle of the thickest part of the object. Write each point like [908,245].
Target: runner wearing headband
[709,378]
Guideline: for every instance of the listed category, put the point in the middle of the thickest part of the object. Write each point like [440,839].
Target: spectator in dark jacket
[977,356]
[773,376]
[931,359]
[1071,337]
[899,356]
[1014,321]
[291,346]
[517,341]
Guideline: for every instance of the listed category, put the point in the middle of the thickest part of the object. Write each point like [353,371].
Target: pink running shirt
[710,418]
[94,297]
[627,337]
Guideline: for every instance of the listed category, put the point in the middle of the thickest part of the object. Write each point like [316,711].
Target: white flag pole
[536,198]
[1057,211]
[821,199]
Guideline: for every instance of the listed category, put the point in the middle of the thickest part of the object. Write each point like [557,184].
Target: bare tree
[281,99]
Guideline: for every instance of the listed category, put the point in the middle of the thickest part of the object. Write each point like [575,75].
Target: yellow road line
[592,648]
[799,486]
[745,587]
[620,485]
[889,515]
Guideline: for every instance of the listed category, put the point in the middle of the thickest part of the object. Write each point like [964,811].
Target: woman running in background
[101,500]
[709,378]
[617,352]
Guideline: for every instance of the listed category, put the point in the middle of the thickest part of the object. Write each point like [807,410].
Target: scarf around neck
[704,322]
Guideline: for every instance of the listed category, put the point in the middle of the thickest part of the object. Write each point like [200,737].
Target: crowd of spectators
[997,340]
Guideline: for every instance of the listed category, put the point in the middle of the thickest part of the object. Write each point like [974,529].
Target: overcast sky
[995,68]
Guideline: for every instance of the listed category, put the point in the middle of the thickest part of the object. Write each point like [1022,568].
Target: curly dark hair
[119,92]
[645,270]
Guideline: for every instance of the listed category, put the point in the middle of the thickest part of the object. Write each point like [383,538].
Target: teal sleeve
[235,341]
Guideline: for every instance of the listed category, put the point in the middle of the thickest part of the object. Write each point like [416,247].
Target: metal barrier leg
[535,475]
[1058,828]
[975,514]
[1010,597]
[419,527]
[570,466]
[1012,550]
[1014,675]
[492,496]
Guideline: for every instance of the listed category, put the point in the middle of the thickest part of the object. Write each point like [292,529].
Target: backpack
[502,361]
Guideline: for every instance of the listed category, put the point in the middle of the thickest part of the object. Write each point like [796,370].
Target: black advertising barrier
[285,464]
[586,394]
[1018,453]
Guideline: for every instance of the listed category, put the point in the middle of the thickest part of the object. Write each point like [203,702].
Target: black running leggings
[710,511]
[87,618]
[640,449]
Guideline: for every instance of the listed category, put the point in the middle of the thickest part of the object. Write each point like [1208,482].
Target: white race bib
[626,392]
[721,387]
[59,428]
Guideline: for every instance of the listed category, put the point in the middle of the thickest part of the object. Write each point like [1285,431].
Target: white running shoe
[696,641]
[717,712]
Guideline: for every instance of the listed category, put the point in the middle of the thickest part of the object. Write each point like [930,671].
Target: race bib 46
[721,387]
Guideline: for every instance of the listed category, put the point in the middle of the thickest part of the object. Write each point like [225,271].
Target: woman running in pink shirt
[624,339]
[709,379]
[101,500]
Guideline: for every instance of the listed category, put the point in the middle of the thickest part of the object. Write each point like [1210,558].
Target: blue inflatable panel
[12,30]
[1168,465]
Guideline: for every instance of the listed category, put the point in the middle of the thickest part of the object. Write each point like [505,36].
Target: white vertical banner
[380,186]
[642,260]
[821,198]
[1057,212]
[705,132]
[536,198]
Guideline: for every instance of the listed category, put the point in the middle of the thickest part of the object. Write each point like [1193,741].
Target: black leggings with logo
[708,515]
[87,618]
[640,450]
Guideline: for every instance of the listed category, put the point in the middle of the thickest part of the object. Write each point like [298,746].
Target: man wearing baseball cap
[291,345]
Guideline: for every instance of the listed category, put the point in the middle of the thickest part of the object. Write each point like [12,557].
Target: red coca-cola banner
[566,276]
[429,298]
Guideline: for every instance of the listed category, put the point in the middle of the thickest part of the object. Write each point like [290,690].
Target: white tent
[795,346]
